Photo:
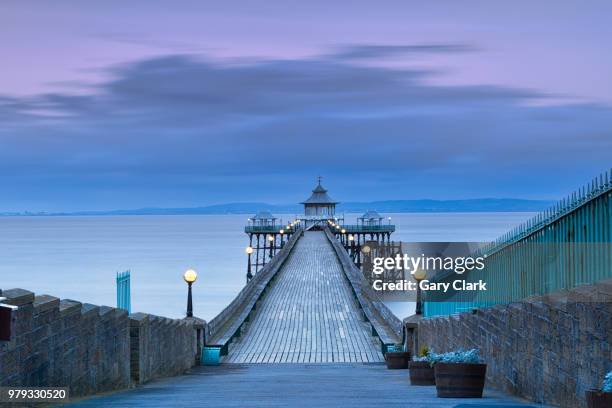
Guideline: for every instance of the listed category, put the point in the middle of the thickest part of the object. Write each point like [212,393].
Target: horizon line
[287,206]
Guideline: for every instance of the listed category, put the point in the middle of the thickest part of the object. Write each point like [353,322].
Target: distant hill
[385,206]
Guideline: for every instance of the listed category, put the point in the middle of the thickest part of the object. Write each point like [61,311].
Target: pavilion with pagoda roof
[319,207]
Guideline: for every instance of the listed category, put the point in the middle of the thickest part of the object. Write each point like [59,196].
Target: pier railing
[228,324]
[563,247]
[358,228]
[385,325]
[271,229]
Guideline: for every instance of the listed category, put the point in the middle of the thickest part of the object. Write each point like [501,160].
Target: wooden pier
[309,315]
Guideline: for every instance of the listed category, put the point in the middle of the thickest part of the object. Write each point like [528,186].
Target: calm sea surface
[77,257]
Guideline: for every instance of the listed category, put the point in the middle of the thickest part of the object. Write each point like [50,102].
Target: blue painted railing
[563,247]
[123,291]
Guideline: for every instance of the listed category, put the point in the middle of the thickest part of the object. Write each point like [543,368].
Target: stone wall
[548,349]
[161,347]
[63,342]
[90,348]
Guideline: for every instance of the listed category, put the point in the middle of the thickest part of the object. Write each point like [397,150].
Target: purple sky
[119,105]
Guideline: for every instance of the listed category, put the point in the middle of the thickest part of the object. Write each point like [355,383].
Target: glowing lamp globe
[190,276]
[420,274]
[249,250]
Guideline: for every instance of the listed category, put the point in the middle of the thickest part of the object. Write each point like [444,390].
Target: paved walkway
[293,385]
[309,314]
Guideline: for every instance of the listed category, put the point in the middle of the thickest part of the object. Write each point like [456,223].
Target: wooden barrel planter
[397,359]
[460,380]
[421,373]
[598,399]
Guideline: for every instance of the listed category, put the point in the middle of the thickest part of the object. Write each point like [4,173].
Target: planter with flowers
[459,374]
[421,369]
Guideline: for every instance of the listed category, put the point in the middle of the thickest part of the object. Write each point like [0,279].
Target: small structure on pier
[319,207]
[370,219]
[320,203]
[263,220]
[266,237]
[372,232]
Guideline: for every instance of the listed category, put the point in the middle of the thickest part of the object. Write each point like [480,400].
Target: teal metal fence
[123,291]
[563,247]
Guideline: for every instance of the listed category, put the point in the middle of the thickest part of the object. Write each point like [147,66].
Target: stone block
[43,303]
[18,297]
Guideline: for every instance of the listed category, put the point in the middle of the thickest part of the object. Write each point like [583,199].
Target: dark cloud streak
[355,52]
[191,130]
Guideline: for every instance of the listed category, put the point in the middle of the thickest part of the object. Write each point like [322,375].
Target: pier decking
[309,314]
[294,385]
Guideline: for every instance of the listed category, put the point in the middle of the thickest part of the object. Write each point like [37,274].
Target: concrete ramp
[308,315]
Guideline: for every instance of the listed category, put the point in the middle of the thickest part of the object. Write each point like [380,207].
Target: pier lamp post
[249,251]
[351,239]
[343,232]
[190,276]
[271,239]
[282,234]
[365,250]
[389,220]
[419,275]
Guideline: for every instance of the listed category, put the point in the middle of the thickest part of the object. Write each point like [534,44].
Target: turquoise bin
[211,356]
[390,348]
